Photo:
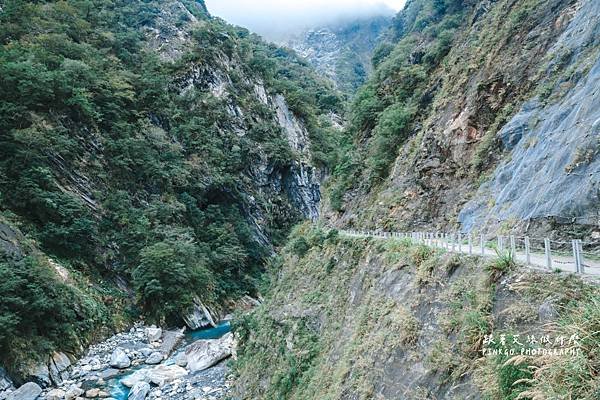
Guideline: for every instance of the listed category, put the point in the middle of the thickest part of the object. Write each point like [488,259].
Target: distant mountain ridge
[342,51]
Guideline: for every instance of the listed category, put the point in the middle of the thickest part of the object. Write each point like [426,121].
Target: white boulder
[139,391]
[119,359]
[29,391]
[163,374]
[153,334]
[204,354]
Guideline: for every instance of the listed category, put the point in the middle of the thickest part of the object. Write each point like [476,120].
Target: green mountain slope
[149,155]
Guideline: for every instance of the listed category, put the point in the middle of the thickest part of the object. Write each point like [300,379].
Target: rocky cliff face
[553,167]
[295,183]
[342,51]
[508,114]
[352,318]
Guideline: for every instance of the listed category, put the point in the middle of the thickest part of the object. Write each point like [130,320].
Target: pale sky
[272,18]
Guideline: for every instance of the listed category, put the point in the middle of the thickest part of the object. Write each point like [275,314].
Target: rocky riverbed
[145,362]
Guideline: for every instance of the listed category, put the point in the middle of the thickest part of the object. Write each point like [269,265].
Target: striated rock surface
[199,316]
[205,353]
[139,391]
[554,144]
[5,381]
[59,367]
[38,373]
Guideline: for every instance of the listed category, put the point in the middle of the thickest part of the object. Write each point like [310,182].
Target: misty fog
[275,20]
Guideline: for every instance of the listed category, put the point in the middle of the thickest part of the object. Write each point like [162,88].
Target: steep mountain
[156,164]
[150,158]
[479,115]
[342,51]
[361,318]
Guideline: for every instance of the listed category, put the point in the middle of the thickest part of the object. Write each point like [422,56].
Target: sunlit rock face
[293,186]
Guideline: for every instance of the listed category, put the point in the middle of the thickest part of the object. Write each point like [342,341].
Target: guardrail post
[500,243]
[513,246]
[575,245]
[482,244]
[548,253]
[453,238]
[459,242]
[580,254]
[527,250]
[470,244]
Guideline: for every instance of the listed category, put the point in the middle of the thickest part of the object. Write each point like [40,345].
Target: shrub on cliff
[39,314]
[169,275]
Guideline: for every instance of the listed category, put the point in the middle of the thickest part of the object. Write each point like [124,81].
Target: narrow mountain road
[536,260]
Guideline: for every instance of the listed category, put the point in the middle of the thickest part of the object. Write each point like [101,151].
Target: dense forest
[117,175]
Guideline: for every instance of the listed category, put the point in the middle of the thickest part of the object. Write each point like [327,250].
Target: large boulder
[166,373]
[59,368]
[199,316]
[29,391]
[204,354]
[139,391]
[38,373]
[153,334]
[119,359]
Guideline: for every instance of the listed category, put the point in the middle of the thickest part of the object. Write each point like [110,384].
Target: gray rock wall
[553,169]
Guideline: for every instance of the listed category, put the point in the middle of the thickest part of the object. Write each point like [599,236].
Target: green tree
[170,274]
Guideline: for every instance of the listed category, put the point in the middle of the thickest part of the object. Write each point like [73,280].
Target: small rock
[55,394]
[73,393]
[137,376]
[146,351]
[92,393]
[547,311]
[153,334]
[154,358]
[181,360]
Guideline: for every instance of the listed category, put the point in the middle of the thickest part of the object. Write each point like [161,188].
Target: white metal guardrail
[575,256]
